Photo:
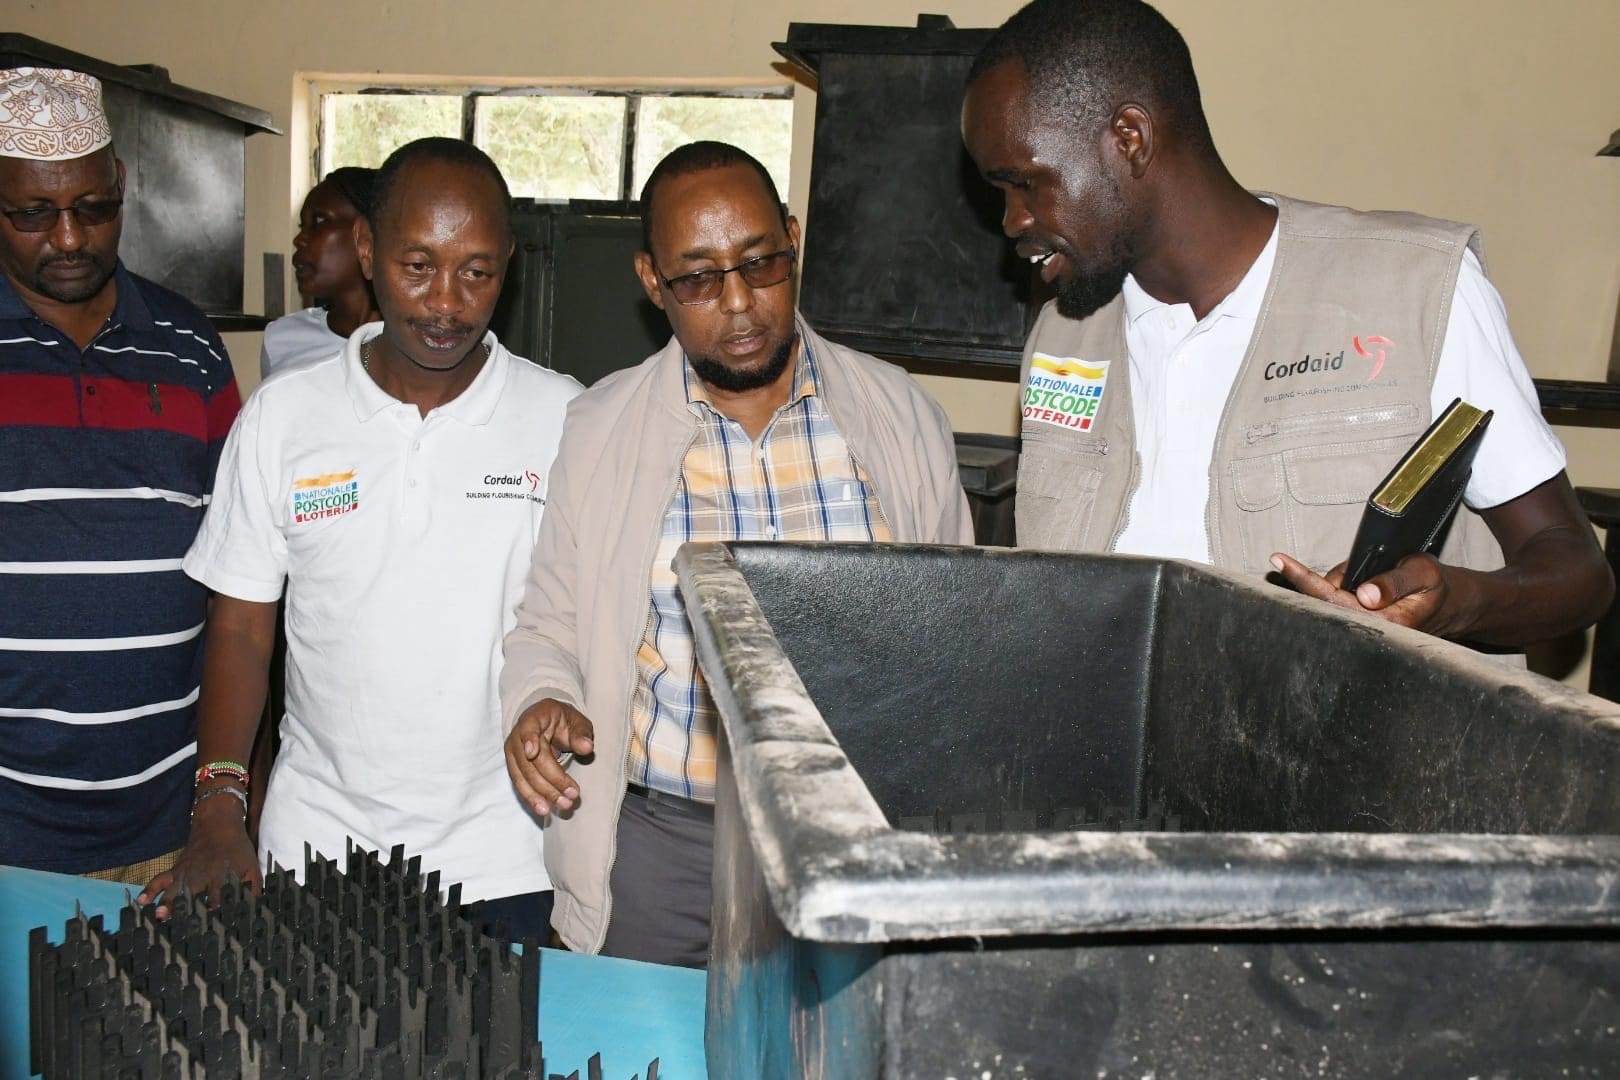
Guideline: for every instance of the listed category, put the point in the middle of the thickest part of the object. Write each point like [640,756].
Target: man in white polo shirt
[396,488]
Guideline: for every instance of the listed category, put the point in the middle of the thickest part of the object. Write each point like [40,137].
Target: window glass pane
[554,146]
[363,129]
[761,126]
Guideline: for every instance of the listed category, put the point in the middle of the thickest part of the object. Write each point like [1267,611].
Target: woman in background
[328,274]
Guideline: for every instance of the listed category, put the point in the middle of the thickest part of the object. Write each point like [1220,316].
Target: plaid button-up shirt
[799,482]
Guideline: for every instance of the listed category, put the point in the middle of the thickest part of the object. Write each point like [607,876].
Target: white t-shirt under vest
[1182,371]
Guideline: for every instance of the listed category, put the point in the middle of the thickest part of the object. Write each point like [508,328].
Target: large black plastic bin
[1395,858]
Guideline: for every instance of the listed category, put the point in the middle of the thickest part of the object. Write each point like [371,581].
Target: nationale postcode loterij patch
[1064,391]
[328,495]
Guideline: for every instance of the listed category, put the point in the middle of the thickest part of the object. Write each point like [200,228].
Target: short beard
[1088,293]
[732,381]
[80,293]
[1095,286]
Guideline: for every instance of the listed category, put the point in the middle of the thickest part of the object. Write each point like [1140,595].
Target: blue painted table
[628,1012]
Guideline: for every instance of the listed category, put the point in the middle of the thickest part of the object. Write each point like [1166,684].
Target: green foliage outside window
[555,147]
[363,129]
[761,126]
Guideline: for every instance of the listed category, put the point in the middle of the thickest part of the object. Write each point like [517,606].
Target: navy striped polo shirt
[107,461]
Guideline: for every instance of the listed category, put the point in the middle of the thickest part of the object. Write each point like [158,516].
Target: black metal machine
[358,974]
[572,301]
[905,257]
[185,153]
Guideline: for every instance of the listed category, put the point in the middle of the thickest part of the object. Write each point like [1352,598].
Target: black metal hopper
[1395,856]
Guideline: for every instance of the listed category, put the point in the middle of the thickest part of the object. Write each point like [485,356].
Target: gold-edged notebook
[1408,511]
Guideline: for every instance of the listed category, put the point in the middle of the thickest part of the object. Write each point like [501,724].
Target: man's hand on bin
[218,846]
[1418,593]
[547,729]
[1554,580]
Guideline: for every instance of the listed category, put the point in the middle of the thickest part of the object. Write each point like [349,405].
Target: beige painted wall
[1483,110]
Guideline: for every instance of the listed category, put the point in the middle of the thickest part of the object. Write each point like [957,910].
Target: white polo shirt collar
[1179,365]
[1242,302]
[474,406]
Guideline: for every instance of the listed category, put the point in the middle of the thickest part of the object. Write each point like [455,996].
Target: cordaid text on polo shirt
[526,485]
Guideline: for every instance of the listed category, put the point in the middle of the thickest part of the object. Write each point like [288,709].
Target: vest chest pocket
[1057,492]
[1307,501]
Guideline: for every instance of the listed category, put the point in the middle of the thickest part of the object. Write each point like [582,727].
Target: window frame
[471,93]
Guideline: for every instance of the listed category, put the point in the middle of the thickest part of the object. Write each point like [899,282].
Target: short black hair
[1086,58]
[440,149]
[700,157]
[355,185]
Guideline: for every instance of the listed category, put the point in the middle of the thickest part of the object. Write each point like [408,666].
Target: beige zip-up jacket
[584,606]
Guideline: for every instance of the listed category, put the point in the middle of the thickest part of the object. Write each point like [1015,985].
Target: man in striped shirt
[115,398]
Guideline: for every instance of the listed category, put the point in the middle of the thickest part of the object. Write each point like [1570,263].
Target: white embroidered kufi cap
[48,114]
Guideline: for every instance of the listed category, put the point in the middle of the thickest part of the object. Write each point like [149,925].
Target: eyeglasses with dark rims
[38,219]
[760,272]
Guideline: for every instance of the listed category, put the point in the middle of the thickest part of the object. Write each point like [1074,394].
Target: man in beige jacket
[747,425]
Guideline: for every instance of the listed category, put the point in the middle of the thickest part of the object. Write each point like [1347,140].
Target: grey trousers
[661,881]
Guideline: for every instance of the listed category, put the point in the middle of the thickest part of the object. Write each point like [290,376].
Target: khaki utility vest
[1333,390]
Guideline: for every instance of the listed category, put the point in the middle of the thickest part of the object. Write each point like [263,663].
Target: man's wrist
[1465,599]
[219,803]
[1463,596]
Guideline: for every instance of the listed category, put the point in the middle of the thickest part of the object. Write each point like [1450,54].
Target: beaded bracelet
[223,770]
[209,794]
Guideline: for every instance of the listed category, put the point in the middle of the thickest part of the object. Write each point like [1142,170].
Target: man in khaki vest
[1225,376]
